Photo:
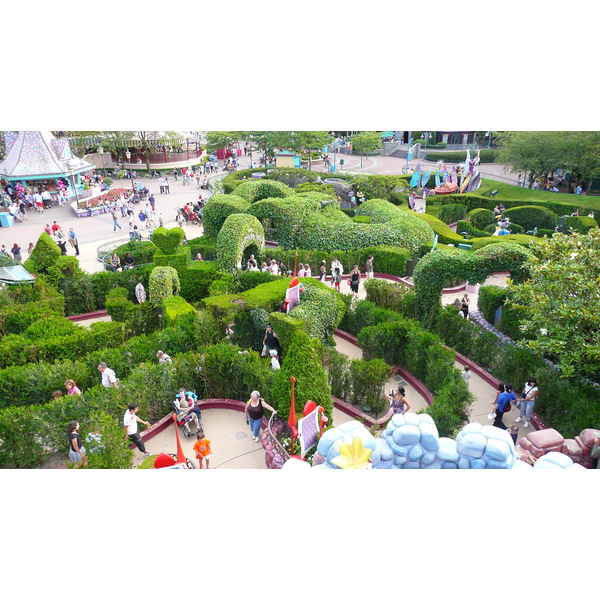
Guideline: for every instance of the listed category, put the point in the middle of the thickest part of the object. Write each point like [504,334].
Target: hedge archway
[238,232]
[475,267]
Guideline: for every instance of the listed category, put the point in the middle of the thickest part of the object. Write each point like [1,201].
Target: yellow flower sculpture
[353,456]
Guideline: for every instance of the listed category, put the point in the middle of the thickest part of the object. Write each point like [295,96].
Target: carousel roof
[36,153]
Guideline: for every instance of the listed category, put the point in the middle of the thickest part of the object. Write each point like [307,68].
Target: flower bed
[97,204]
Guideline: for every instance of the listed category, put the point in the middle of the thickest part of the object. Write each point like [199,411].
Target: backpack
[507,407]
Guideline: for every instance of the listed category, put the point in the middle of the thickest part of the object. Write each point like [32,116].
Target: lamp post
[128,156]
[426,137]
[408,154]
[488,135]
[72,175]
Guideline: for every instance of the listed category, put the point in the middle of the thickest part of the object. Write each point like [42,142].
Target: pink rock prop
[543,441]
[573,450]
[588,437]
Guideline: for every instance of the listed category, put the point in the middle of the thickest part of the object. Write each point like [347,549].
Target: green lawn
[506,191]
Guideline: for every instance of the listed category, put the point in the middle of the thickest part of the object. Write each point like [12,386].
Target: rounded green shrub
[254,190]
[218,208]
[481,217]
[531,217]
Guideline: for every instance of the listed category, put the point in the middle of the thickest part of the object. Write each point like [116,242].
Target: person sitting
[186,412]
[128,260]
[115,263]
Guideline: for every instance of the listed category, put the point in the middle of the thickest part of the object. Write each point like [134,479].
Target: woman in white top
[307,272]
[301,271]
[527,401]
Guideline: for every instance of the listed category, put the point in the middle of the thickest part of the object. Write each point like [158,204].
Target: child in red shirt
[202,449]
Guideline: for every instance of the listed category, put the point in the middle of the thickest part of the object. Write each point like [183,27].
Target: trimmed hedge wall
[481,217]
[435,268]
[459,156]
[451,213]
[176,307]
[444,233]
[466,227]
[530,217]
[491,298]
[515,238]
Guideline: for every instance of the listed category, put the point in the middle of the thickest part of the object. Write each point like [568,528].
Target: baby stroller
[184,418]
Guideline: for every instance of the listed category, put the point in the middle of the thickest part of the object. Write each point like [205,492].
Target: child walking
[202,449]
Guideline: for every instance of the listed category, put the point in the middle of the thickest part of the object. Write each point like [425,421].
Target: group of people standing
[505,398]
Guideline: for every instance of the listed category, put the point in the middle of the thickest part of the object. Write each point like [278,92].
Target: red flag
[180,455]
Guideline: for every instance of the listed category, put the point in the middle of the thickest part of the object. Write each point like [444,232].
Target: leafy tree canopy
[561,301]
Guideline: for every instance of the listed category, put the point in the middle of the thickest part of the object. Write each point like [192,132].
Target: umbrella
[385,134]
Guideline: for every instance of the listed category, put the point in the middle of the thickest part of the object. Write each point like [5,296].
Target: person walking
[355,281]
[115,217]
[270,341]
[16,252]
[464,305]
[502,405]
[167,189]
[202,450]
[323,272]
[369,267]
[161,184]
[527,401]
[76,450]
[255,410]
[72,236]
[399,403]
[109,379]
[130,421]
[72,389]
[466,375]
[152,201]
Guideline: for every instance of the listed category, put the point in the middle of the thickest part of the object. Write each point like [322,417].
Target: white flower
[573,255]
[543,331]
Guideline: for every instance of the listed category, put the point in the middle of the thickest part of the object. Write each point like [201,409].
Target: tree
[312,140]
[365,143]
[151,141]
[117,142]
[561,302]
[220,139]
[542,152]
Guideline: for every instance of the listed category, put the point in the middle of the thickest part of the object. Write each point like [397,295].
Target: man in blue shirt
[503,405]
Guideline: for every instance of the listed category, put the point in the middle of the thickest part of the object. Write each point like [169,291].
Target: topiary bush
[532,216]
[168,240]
[451,213]
[45,254]
[302,361]
[491,297]
[176,307]
[218,208]
[580,224]
[253,190]
[239,232]
[164,283]
[464,227]
[480,218]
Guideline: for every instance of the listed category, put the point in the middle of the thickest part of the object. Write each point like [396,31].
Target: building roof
[38,153]
[16,274]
